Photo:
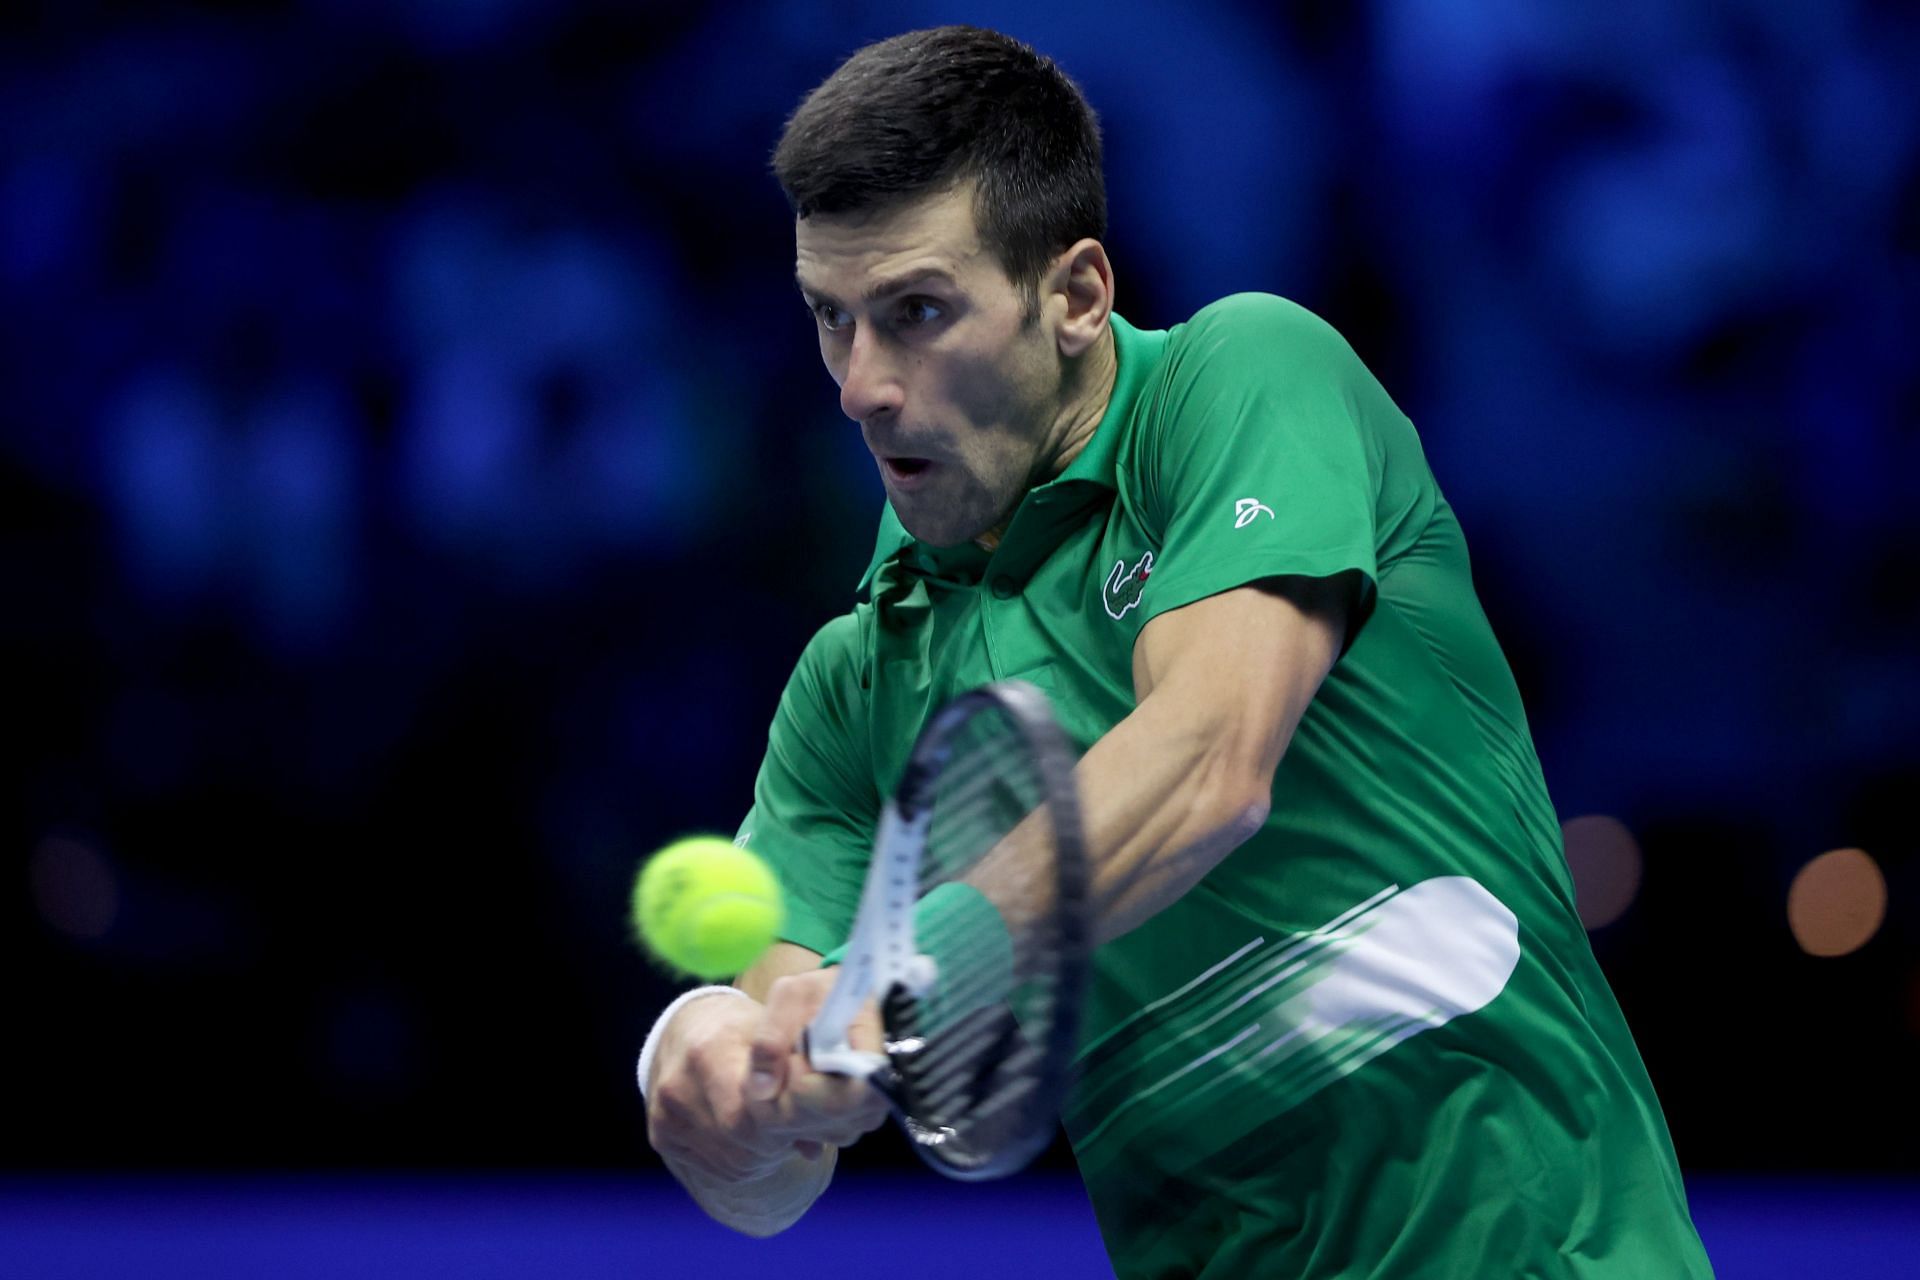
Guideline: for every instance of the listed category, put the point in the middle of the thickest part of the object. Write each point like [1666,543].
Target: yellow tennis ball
[706,907]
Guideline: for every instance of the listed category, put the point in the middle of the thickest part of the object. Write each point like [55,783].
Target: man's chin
[939,538]
[936,532]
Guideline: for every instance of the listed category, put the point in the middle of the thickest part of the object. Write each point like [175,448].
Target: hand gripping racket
[973,935]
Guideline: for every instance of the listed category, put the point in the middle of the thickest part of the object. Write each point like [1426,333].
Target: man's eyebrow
[881,288]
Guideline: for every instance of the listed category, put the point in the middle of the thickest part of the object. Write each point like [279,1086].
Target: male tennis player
[1219,549]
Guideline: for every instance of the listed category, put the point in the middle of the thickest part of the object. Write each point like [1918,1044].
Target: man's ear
[1081,284]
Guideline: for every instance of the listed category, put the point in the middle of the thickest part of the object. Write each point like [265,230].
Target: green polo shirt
[1373,1041]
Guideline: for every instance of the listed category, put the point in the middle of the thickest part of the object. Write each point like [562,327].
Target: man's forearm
[765,1206]
[1162,801]
[1187,777]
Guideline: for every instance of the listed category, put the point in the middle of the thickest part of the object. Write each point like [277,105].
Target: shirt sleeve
[815,805]
[1264,463]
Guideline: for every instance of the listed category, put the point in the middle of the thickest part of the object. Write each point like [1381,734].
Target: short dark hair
[923,112]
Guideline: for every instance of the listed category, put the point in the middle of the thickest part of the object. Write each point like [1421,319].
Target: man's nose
[872,385]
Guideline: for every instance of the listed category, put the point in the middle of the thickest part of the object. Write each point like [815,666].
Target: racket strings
[983,814]
[977,1039]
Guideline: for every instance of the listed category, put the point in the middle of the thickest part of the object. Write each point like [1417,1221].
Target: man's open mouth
[906,468]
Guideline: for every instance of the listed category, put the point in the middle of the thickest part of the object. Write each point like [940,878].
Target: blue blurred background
[417,479]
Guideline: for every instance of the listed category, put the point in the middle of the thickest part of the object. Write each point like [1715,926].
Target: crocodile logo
[1124,586]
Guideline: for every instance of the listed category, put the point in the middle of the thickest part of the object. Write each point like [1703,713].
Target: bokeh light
[1837,902]
[74,888]
[1605,861]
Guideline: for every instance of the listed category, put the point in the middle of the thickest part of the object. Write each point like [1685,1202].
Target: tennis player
[1344,1020]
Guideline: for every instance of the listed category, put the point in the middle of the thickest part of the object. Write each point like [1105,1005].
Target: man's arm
[1220,686]
[754,1158]
[1187,777]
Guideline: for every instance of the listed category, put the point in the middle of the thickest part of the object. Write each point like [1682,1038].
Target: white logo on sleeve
[1247,510]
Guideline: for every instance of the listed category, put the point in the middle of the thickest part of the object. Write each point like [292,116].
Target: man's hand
[836,1109]
[730,1101]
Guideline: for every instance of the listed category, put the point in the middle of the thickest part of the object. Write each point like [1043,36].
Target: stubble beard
[951,518]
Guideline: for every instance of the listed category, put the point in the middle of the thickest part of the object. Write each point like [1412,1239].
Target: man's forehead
[877,284]
[838,251]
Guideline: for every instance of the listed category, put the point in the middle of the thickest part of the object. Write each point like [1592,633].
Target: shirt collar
[1097,463]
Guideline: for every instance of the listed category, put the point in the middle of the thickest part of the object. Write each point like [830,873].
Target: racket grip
[871,1067]
[842,1060]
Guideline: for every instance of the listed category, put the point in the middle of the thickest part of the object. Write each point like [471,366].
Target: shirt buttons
[1005,587]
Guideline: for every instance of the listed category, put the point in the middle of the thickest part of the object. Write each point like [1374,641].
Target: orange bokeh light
[1605,861]
[1837,902]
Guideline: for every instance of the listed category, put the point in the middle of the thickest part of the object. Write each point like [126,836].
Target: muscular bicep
[783,959]
[1248,661]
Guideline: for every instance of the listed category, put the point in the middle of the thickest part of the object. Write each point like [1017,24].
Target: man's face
[955,392]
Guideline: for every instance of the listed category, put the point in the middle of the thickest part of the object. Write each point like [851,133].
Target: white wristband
[660,1023]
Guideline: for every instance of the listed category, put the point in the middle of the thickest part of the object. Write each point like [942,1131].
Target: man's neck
[1081,415]
[1076,422]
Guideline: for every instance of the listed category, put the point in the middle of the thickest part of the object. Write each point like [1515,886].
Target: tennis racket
[979,1000]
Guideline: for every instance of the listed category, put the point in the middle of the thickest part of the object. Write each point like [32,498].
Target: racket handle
[858,1064]
[842,1059]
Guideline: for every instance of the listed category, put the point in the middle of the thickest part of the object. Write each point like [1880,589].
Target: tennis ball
[706,907]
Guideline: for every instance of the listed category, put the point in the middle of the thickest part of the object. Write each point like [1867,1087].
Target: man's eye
[832,318]
[918,311]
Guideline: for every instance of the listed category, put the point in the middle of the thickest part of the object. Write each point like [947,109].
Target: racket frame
[881,961]
[879,954]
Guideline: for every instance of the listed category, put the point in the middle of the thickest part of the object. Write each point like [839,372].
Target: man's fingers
[866,1032]
[825,1108]
[765,1076]
[783,1091]
[836,1108]
[790,1003]
[767,1057]
[681,1121]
